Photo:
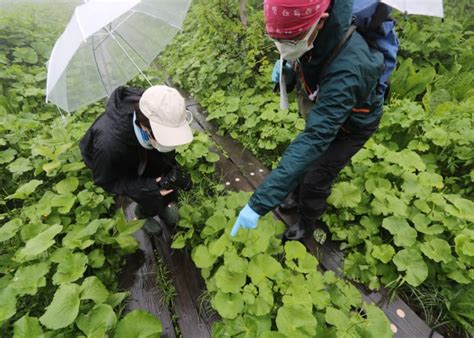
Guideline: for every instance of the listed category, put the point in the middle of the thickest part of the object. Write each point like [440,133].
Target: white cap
[165,108]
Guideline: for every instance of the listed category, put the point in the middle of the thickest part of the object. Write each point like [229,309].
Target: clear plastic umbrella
[420,7]
[106,43]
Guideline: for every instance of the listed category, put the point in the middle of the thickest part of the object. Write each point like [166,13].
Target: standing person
[130,148]
[340,96]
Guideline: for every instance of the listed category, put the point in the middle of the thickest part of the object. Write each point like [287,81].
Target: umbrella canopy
[106,43]
[420,7]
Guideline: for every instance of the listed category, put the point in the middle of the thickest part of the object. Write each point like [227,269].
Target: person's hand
[287,68]
[163,192]
[247,219]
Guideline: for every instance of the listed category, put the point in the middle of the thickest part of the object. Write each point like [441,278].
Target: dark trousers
[153,167]
[155,206]
[316,185]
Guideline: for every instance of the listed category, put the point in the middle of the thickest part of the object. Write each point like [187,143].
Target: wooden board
[138,277]
[192,319]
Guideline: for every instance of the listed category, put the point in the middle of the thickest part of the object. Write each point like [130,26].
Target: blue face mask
[146,141]
[141,135]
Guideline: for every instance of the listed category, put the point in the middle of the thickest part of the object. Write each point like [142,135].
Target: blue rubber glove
[247,219]
[276,71]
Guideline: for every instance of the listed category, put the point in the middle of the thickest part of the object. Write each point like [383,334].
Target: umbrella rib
[97,66]
[123,21]
[80,26]
[131,47]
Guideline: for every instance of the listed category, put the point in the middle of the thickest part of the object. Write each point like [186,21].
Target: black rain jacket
[111,149]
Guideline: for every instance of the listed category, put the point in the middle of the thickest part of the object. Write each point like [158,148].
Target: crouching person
[130,149]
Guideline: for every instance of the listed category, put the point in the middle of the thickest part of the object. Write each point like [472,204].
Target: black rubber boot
[152,226]
[171,214]
[298,231]
[139,213]
[290,203]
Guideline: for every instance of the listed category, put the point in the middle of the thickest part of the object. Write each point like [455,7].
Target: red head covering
[286,19]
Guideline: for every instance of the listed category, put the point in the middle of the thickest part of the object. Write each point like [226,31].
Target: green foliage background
[62,243]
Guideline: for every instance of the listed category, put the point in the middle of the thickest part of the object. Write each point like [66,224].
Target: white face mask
[161,148]
[292,50]
[156,145]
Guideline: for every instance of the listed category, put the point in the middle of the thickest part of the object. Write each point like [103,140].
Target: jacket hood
[121,101]
[339,20]
[119,111]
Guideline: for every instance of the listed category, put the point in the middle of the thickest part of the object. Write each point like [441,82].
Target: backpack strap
[330,59]
[382,14]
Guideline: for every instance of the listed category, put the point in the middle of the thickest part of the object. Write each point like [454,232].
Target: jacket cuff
[262,211]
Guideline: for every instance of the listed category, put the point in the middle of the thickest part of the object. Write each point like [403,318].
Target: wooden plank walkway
[138,277]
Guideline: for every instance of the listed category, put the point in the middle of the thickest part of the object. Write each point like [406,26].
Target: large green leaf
[214,224]
[218,247]
[20,165]
[345,194]
[298,259]
[383,253]
[438,250]
[264,301]
[71,267]
[263,266]
[25,190]
[338,319]
[96,258]
[64,308]
[38,244]
[29,278]
[411,262]
[27,327]
[9,229]
[98,321]
[228,305]
[235,263]
[67,185]
[460,207]
[464,246]
[93,288]
[377,324]
[407,159]
[79,235]
[63,202]
[202,257]
[138,324]
[404,235]
[229,282]
[422,223]
[7,156]
[296,321]
[294,250]
[8,303]
[117,298]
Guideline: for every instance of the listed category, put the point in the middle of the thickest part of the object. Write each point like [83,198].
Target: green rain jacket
[350,84]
